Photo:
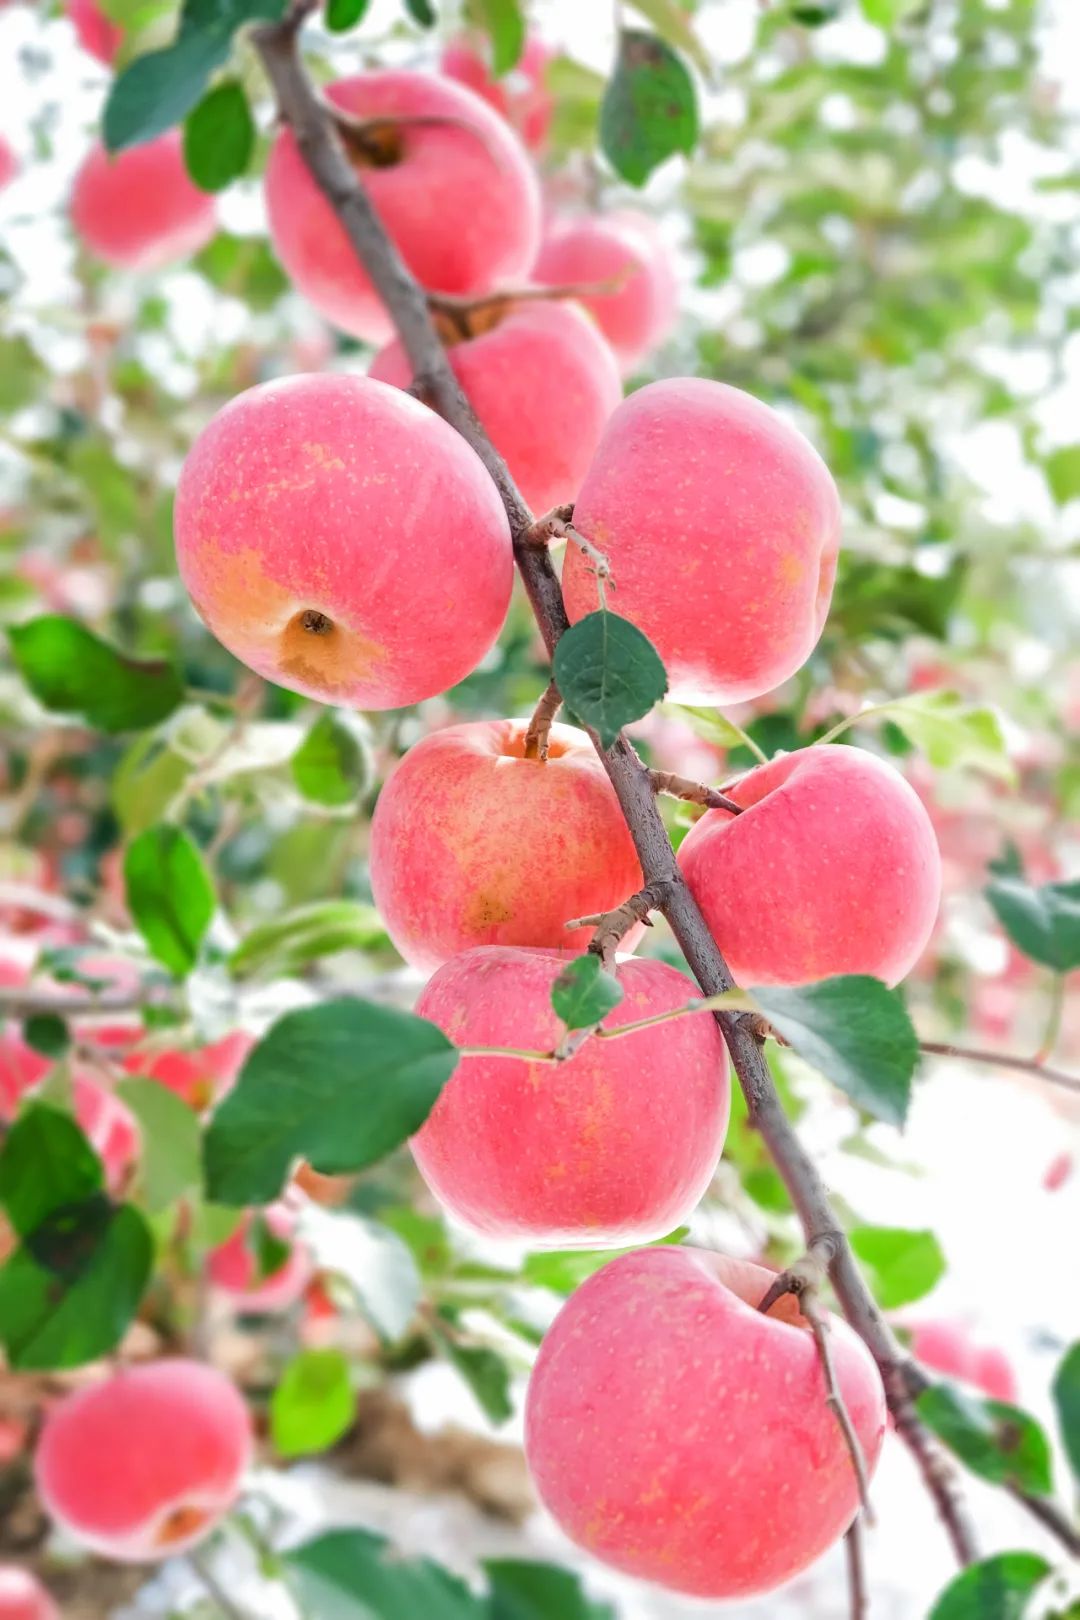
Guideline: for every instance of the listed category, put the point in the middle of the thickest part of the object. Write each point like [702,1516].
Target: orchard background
[865,216]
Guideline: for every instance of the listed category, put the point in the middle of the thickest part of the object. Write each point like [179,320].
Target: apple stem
[374,141]
[681,787]
[539,729]
[502,298]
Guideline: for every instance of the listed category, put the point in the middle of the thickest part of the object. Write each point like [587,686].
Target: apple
[232,1266]
[97,34]
[637,314]
[520,96]
[22,1596]
[948,1347]
[139,210]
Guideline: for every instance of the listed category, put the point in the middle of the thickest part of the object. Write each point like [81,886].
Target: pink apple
[198,1076]
[143,1464]
[543,383]
[9,168]
[678,1434]
[22,1596]
[831,868]
[140,210]
[97,34]
[457,195]
[520,96]
[565,1155]
[949,1348]
[722,527]
[343,541]
[473,844]
[638,313]
[232,1266]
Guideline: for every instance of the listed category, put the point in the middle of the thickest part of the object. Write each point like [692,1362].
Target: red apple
[22,1596]
[520,96]
[140,210]
[96,33]
[637,314]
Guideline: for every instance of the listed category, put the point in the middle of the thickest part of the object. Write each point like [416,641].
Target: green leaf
[63,1315]
[997,1441]
[342,15]
[284,945]
[857,1032]
[357,1575]
[903,1265]
[422,11]
[953,733]
[709,724]
[330,766]
[170,895]
[505,24]
[887,13]
[147,782]
[563,1270]
[313,1405]
[1062,468]
[46,1033]
[1066,1390]
[219,137]
[608,673]
[649,111]
[524,1590]
[999,1588]
[341,1084]
[1043,922]
[46,1164]
[376,1262]
[71,671]
[169,1164]
[483,1369]
[583,993]
[670,19]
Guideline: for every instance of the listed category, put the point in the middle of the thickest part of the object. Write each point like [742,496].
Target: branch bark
[318,141]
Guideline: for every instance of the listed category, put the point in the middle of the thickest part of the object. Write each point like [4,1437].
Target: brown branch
[938,1474]
[681,787]
[856,1567]
[1002,1060]
[539,728]
[407,304]
[30,1003]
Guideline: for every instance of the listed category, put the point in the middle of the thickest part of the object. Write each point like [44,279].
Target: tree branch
[321,148]
[1002,1060]
[681,787]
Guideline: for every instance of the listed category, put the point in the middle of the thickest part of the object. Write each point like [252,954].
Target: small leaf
[219,137]
[483,1369]
[1066,1390]
[608,673]
[563,1270]
[71,671]
[55,1317]
[857,1032]
[47,1033]
[313,1405]
[374,1260]
[583,993]
[1043,921]
[1062,468]
[356,1575]
[709,724]
[341,15]
[953,733]
[160,88]
[330,766]
[505,24]
[524,1590]
[170,895]
[999,1588]
[887,13]
[285,944]
[341,1084]
[671,19]
[169,1164]
[903,1265]
[46,1164]
[422,11]
[997,1441]
[649,111]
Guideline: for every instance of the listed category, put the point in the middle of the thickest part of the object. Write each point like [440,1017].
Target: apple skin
[722,527]
[543,383]
[198,1076]
[831,868]
[231,1267]
[473,844]
[176,1437]
[22,1596]
[98,35]
[565,1155]
[521,96]
[948,1347]
[462,205]
[9,168]
[347,498]
[140,210]
[639,314]
[676,1433]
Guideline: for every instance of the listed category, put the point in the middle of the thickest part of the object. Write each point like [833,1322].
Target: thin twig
[856,1568]
[682,787]
[613,926]
[539,728]
[19,1002]
[1002,1060]
[200,1563]
[938,1474]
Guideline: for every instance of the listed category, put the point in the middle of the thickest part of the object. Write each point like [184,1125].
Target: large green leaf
[903,1265]
[952,732]
[524,1590]
[219,137]
[313,1405]
[72,671]
[608,673]
[341,1084]
[170,895]
[857,1032]
[1043,921]
[997,1441]
[356,1575]
[583,993]
[999,1588]
[46,1163]
[649,111]
[1067,1404]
